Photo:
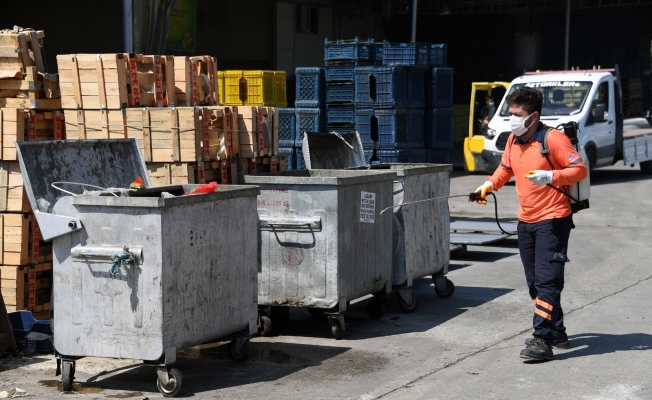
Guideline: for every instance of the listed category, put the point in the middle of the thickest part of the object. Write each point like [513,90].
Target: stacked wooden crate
[29,110]
[184,136]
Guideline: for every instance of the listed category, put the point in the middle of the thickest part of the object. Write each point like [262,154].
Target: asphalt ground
[466,346]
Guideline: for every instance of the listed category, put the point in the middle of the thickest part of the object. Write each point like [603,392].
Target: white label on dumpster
[368,207]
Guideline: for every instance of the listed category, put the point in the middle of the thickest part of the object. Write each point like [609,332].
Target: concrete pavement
[466,346]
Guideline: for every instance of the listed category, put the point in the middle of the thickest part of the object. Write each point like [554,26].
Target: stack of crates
[399,104]
[309,114]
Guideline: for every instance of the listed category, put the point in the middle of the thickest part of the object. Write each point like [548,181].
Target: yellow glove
[484,190]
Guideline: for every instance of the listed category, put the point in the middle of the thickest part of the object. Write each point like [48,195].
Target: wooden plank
[37,51]
[24,51]
[76,84]
[169,81]
[174,126]
[81,124]
[101,89]
[147,136]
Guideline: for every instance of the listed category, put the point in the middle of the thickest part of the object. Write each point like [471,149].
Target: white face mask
[518,124]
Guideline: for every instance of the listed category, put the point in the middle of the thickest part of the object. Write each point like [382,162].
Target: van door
[601,121]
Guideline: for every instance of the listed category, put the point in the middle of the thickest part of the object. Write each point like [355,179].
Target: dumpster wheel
[376,308]
[338,325]
[174,380]
[67,375]
[240,354]
[450,289]
[405,306]
[265,326]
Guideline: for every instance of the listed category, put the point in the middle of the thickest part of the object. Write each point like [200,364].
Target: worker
[545,218]
[488,111]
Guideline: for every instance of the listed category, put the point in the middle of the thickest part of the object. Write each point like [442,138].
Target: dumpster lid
[110,163]
[333,150]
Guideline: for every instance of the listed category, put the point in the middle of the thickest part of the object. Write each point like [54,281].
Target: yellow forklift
[474,143]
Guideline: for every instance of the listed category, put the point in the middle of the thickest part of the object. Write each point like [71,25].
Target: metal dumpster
[420,231]
[140,274]
[323,241]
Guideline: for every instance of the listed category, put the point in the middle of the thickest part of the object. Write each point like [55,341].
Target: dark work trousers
[543,246]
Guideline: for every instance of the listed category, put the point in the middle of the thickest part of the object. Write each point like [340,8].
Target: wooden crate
[93,81]
[30,86]
[16,238]
[258,131]
[252,166]
[95,124]
[27,287]
[217,139]
[195,80]
[20,50]
[12,194]
[18,125]
[170,173]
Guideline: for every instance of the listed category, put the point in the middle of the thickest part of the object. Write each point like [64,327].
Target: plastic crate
[439,128]
[309,87]
[416,122]
[290,156]
[438,156]
[22,323]
[381,87]
[439,87]
[340,94]
[352,51]
[260,86]
[280,89]
[418,156]
[393,156]
[378,57]
[300,162]
[340,116]
[391,126]
[413,53]
[416,90]
[287,128]
[221,88]
[340,73]
[342,129]
[307,120]
[363,125]
[438,55]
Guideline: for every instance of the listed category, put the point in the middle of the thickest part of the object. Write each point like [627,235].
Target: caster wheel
[407,307]
[242,356]
[375,308]
[67,376]
[316,312]
[450,289]
[338,329]
[175,379]
[265,328]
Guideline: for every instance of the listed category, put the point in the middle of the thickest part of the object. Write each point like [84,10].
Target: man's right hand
[484,190]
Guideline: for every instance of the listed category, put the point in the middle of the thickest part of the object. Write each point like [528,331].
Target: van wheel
[592,156]
[646,167]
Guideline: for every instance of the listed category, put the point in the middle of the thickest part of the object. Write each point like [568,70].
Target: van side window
[600,103]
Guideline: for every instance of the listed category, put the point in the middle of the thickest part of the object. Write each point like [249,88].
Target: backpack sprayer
[472,197]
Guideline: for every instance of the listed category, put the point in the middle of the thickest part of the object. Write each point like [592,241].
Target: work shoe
[537,350]
[557,343]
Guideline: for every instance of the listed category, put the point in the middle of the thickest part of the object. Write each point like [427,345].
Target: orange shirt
[538,203]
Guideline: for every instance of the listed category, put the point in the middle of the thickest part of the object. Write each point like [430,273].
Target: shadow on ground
[589,344]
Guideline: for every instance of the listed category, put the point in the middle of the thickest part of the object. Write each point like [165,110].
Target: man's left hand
[539,177]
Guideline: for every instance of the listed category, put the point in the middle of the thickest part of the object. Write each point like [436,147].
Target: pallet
[21,50]
[196,81]
[27,287]
[17,125]
[12,194]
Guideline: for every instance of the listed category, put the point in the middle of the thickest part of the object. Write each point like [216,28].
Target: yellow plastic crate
[259,85]
[220,88]
[280,93]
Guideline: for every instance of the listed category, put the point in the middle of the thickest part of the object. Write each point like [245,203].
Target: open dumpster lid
[111,163]
[332,150]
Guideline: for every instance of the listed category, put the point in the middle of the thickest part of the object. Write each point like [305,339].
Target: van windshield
[559,97]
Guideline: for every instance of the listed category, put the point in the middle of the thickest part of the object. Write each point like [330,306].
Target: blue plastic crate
[393,156]
[290,156]
[438,55]
[308,120]
[416,91]
[392,128]
[22,323]
[340,94]
[416,125]
[379,54]
[342,129]
[413,53]
[418,156]
[384,87]
[300,163]
[438,156]
[439,128]
[340,116]
[353,51]
[340,73]
[439,88]
[287,126]
[310,87]
[363,125]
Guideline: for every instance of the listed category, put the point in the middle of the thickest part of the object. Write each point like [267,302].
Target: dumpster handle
[312,224]
[53,184]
